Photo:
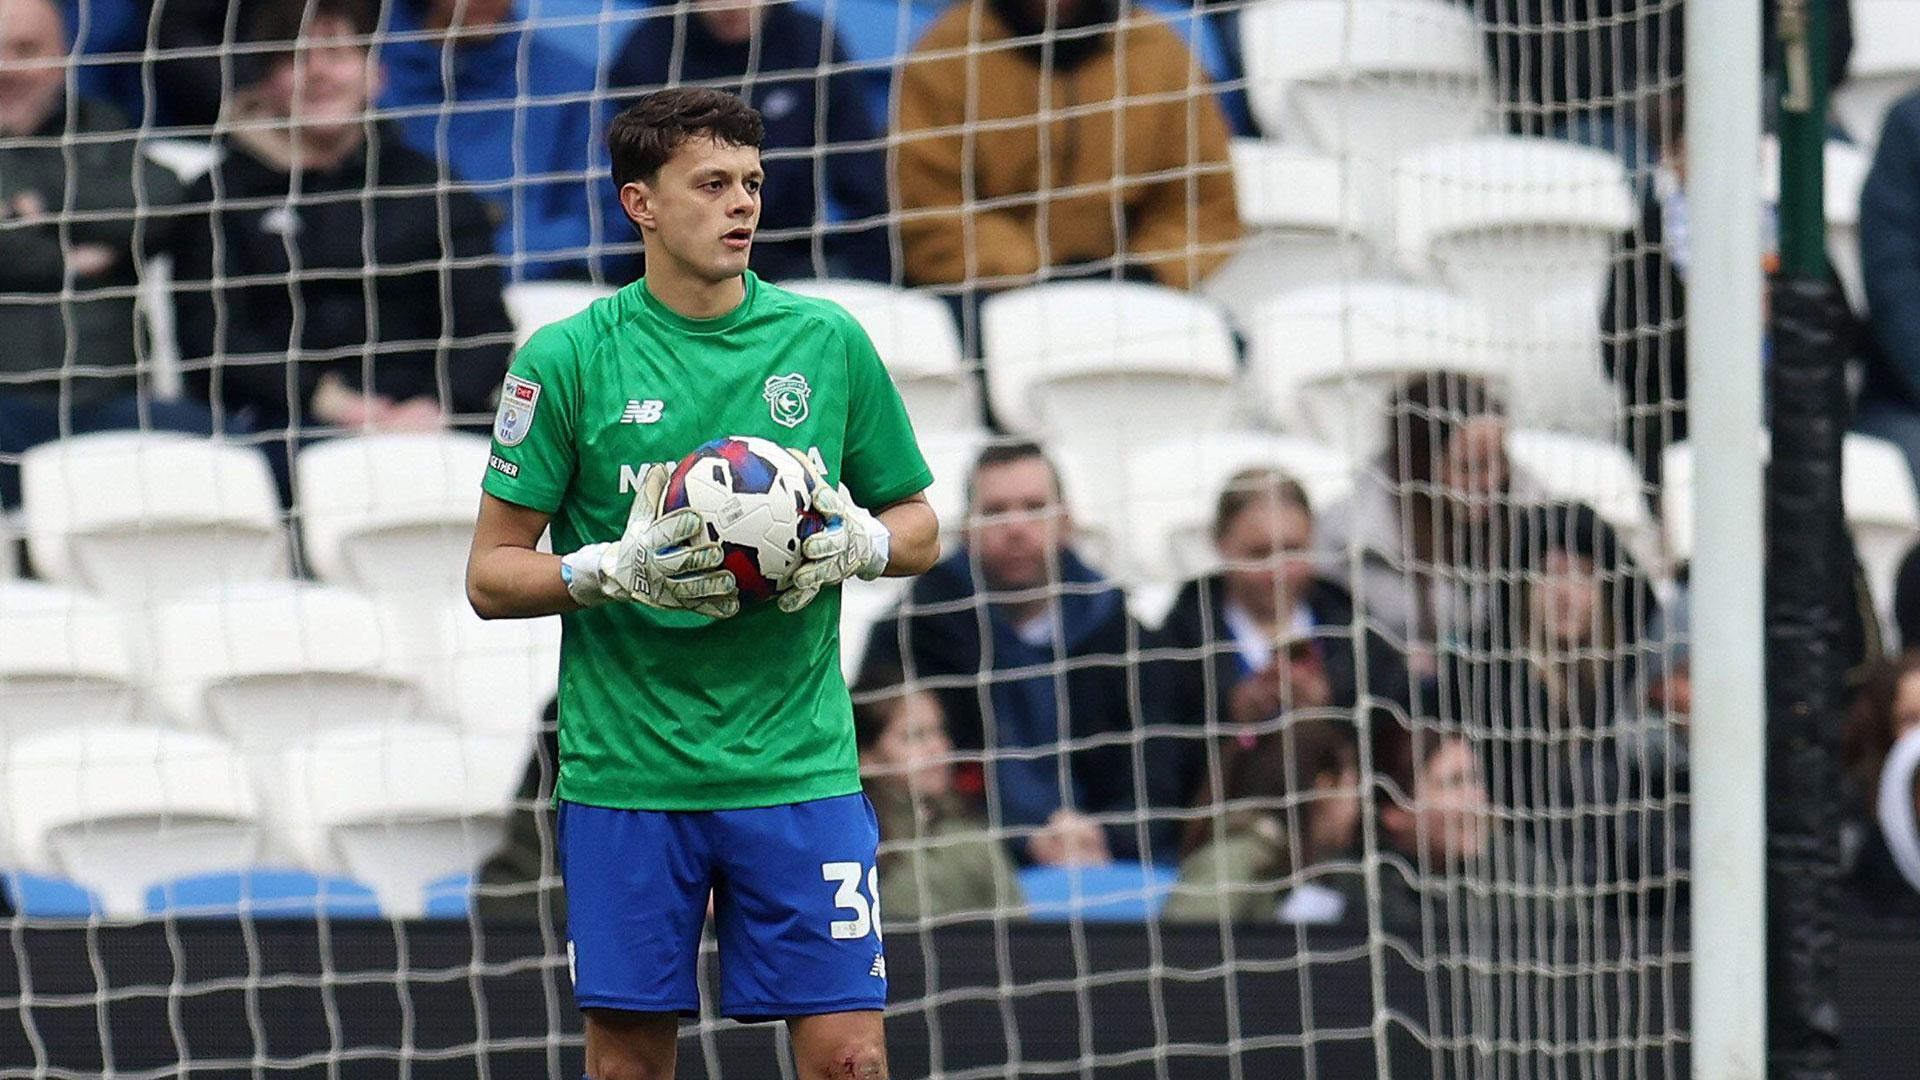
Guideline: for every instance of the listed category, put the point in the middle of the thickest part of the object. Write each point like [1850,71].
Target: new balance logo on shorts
[643,411]
[879,968]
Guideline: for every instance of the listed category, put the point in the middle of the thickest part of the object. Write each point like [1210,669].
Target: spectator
[1428,517]
[1898,812]
[1889,404]
[818,123]
[1906,599]
[1881,718]
[1018,157]
[1434,821]
[336,285]
[1265,638]
[511,116]
[1292,801]
[79,209]
[937,857]
[198,69]
[1030,649]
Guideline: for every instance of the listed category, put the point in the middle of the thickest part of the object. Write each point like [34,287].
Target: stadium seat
[120,809]
[916,338]
[490,676]
[1324,359]
[533,304]
[1373,78]
[391,512]
[260,893]
[40,896]
[1846,174]
[1304,226]
[1599,473]
[1119,892]
[271,663]
[1119,360]
[140,516]
[1512,222]
[66,661]
[1884,67]
[397,807]
[862,604]
[950,455]
[450,897]
[1148,516]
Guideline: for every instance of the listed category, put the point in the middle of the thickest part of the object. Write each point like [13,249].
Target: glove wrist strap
[581,572]
[882,538]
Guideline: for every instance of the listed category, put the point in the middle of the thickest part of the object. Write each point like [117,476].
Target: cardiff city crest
[787,398]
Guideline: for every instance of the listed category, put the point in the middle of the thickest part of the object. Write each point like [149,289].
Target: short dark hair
[281,23]
[648,131]
[1249,486]
[878,696]
[1425,412]
[1007,452]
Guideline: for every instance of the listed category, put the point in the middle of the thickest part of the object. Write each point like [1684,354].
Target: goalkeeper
[703,746]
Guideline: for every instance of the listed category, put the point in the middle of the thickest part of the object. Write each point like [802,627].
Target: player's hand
[663,561]
[854,544]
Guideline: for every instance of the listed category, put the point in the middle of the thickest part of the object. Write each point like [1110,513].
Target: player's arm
[507,578]
[915,530]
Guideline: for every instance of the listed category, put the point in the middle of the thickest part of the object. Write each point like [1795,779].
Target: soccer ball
[756,501]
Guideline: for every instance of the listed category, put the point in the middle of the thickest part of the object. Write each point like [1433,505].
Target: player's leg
[625,1045]
[840,1046]
[637,884]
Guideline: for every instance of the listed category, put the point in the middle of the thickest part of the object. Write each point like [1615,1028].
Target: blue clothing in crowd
[1890,262]
[809,115]
[534,164]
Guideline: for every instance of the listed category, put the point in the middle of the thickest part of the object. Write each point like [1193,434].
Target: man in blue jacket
[1890,262]
[1015,613]
[818,122]
[454,74]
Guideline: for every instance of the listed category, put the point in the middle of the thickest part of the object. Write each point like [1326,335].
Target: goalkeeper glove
[662,561]
[854,544]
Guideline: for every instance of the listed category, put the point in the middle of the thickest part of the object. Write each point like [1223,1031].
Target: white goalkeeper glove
[854,544]
[663,561]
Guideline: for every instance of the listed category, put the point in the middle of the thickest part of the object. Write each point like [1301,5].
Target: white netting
[1413,803]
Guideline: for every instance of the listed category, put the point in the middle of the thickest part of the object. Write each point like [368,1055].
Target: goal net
[1322,711]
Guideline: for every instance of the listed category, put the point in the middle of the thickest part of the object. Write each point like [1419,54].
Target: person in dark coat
[1264,640]
[1883,714]
[337,285]
[1028,648]
[818,122]
[1889,404]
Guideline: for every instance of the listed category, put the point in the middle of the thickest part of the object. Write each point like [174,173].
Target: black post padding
[1809,596]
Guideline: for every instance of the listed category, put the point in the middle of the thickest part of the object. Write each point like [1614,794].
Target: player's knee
[858,1059]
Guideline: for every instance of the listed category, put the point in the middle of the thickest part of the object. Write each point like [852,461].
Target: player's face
[326,82]
[1266,549]
[33,64]
[1018,525]
[915,750]
[1565,600]
[701,210]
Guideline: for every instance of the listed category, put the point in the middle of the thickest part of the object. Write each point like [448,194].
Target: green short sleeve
[881,463]
[534,457]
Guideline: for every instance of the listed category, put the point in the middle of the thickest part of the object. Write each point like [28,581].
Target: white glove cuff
[882,538]
[581,572]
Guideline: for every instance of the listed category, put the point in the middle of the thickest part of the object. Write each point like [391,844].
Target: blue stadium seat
[263,894]
[50,897]
[450,897]
[1121,892]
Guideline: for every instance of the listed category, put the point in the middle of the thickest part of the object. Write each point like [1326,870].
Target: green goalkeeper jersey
[668,710]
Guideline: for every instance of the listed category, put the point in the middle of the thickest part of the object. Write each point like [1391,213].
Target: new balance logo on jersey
[643,411]
[879,968]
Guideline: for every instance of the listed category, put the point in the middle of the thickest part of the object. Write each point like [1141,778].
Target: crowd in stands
[1495,655]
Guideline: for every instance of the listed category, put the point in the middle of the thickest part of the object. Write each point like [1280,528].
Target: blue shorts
[795,907]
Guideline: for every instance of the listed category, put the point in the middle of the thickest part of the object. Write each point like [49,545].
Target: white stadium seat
[1324,360]
[533,304]
[862,604]
[120,809]
[1118,359]
[397,807]
[1596,472]
[1147,516]
[1370,77]
[66,661]
[490,676]
[139,516]
[391,512]
[915,336]
[1884,67]
[1512,222]
[1304,225]
[1846,174]
[270,663]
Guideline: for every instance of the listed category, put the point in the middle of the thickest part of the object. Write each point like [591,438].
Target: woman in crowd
[1266,637]
[1883,716]
[1434,825]
[1292,801]
[1428,518]
[936,857]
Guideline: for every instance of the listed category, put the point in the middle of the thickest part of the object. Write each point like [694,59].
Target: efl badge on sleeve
[787,398]
[515,418]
